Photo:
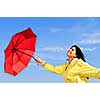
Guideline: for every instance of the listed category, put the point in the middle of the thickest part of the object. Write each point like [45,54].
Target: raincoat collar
[74,60]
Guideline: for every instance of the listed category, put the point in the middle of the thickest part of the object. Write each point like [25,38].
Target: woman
[76,70]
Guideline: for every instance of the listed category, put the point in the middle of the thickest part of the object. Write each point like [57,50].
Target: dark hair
[79,53]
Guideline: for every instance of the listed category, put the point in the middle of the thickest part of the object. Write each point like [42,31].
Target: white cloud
[52,53]
[90,41]
[93,38]
[51,56]
[53,49]
[91,35]
[88,49]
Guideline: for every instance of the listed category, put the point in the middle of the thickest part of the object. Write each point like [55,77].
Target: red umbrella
[19,51]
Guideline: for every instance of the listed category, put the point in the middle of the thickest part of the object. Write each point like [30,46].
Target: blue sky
[54,36]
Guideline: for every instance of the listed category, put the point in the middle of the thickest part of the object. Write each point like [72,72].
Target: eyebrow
[73,49]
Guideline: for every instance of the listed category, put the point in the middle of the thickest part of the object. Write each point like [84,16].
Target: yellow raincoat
[75,72]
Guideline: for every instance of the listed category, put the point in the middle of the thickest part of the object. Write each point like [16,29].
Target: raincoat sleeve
[55,69]
[89,71]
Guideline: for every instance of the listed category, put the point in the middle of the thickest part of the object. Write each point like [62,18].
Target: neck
[70,59]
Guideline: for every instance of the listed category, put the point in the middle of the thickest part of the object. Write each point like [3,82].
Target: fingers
[37,59]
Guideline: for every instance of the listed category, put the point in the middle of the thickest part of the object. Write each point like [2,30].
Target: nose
[70,50]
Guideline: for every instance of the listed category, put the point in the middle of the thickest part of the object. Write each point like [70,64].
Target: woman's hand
[39,60]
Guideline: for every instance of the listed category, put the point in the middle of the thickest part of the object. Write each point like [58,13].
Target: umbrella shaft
[25,53]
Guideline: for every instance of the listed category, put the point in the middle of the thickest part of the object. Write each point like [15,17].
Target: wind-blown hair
[79,53]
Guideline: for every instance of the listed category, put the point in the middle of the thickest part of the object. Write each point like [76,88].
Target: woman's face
[71,52]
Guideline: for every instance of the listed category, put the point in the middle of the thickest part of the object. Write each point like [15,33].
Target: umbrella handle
[35,59]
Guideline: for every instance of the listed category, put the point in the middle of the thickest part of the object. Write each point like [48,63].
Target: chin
[68,55]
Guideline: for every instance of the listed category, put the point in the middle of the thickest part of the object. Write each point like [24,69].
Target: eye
[72,49]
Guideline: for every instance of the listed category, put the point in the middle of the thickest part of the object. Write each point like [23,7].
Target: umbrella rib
[12,58]
[17,40]
[13,44]
[25,53]
[17,55]
[23,41]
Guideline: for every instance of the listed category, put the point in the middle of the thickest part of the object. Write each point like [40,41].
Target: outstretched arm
[55,69]
[89,71]
[39,60]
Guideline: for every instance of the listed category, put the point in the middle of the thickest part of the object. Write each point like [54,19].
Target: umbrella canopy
[19,51]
